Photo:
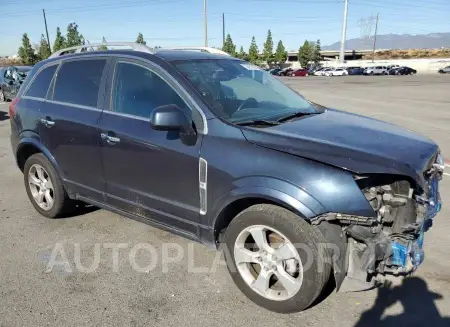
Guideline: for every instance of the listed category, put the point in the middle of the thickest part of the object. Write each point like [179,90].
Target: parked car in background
[11,78]
[355,70]
[299,72]
[313,68]
[317,71]
[402,71]
[377,70]
[285,71]
[445,70]
[392,67]
[337,72]
[275,71]
[322,72]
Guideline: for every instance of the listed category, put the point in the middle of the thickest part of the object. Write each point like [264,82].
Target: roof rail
[83,48]
[203,49]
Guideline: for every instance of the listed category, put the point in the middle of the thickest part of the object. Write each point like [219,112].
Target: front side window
[41,83]
[78,82]
[137,91]
[238,91]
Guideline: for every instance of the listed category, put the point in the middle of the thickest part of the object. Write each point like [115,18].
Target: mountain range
[396,41]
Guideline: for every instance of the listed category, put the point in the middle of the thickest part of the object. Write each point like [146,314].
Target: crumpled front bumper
[407,257]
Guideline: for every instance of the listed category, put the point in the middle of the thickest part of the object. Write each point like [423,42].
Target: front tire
[274,258]
[44,187]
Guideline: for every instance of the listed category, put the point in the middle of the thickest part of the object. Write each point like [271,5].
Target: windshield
[238,91]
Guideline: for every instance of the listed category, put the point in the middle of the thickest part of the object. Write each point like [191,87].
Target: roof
[170,55]
[167,55]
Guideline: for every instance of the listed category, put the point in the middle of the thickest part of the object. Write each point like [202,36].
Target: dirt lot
[169,295]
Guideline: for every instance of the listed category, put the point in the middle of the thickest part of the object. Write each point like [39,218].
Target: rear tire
[45,189]
[268,264]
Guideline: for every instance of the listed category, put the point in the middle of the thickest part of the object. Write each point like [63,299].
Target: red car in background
[299,72]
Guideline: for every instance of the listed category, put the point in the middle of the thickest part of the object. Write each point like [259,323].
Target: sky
[180,22]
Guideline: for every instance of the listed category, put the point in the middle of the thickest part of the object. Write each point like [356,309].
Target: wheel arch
[29,146]
[244,197]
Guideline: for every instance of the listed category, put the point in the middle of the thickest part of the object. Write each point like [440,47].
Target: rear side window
[78,82]
[40,84]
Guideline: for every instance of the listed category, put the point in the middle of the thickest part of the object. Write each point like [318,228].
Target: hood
[352,142]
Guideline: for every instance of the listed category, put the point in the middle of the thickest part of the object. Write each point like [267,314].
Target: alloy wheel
[268,262]
[41,187]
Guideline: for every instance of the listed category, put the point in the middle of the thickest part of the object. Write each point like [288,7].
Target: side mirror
[169,118]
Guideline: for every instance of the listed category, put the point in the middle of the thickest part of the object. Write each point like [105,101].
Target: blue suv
[217,150]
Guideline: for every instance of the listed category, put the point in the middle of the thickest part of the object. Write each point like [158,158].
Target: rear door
[27,121]
[150,173]
[69,127]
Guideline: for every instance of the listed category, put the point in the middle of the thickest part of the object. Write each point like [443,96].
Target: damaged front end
[391,243]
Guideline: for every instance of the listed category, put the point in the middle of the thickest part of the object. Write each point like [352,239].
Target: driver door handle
[110,139]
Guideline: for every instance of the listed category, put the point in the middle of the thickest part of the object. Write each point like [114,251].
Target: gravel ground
[171,294]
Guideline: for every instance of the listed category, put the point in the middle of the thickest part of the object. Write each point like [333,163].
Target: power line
[392,5]
[95,7]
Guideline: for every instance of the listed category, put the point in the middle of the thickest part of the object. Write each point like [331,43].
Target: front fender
[274,190]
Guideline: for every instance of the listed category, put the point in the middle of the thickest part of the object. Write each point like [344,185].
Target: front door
[149,173]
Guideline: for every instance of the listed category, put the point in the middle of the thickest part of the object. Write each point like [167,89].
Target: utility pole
[223,29]
[375,39]
[46,31]
[344,32]
[205,21]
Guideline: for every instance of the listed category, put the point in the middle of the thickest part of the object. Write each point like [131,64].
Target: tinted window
[78,82]
[39,87]
[137,91]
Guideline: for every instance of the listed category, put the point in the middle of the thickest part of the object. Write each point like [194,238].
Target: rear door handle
[48,122]
[110,139]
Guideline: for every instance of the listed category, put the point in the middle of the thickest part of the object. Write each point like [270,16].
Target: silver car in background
[445,70]
[376,70]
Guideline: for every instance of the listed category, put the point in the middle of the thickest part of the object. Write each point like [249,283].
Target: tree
[73,37]
[103,47]
[304,54]
[317,57]
[26,52]
[280,53]
[229,46]
[60,41]
[242,55]
[43,49]
[140,39]
[253,52]
[268,48]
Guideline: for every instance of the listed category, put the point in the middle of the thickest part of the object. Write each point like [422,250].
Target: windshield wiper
[295,115]
[257,122]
